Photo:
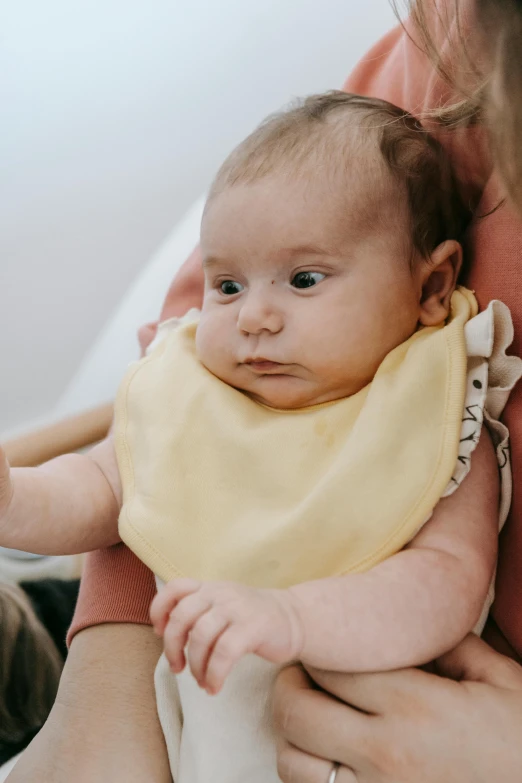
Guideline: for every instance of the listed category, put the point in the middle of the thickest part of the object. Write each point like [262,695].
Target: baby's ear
[439,278]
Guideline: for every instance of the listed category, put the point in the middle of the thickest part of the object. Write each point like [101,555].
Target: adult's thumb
[475,661]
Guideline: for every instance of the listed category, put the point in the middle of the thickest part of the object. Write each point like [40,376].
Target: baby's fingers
[203,638]
[182,619]
[234,642]
[167,599]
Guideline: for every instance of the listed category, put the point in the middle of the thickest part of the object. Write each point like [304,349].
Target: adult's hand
[406,726]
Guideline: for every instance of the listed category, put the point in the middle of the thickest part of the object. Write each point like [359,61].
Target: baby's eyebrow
[308,250]
[209,261]
[284,254]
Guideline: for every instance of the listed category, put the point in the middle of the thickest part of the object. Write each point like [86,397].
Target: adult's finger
[375,693]
[475,661]
[322,726]
[295,766]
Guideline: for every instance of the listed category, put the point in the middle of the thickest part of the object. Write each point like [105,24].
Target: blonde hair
[30,667]
[337,132]
[491,92]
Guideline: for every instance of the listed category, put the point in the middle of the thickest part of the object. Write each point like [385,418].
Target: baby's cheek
[213,344]
[205,339]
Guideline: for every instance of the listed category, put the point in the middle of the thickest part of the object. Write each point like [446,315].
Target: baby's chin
[282,392]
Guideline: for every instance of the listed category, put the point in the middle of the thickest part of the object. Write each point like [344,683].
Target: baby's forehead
[337,165]
[374,159]
[286,213]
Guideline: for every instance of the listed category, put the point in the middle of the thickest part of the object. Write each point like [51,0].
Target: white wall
[115,115]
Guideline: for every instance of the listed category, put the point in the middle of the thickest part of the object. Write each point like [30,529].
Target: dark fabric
[53,601]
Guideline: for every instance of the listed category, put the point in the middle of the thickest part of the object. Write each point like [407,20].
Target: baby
[289,461]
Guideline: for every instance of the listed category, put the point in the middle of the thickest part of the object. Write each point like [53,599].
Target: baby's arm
[65,506]
[404,612]
[422,601]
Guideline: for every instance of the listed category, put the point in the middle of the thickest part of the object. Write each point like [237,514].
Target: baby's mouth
[261,365]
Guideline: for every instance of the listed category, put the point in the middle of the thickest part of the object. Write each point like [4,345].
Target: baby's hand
[6,484]
[222,621]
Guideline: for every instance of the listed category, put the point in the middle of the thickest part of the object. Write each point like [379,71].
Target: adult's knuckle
[285,764]
[391,760]
[383,759]
[283,712]
[366,745]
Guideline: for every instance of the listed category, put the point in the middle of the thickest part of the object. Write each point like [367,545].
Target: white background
[115,115]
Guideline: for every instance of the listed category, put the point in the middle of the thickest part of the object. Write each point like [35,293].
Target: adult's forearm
[104,725]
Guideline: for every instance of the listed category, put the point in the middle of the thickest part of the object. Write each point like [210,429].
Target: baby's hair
[333,131]
[30,668]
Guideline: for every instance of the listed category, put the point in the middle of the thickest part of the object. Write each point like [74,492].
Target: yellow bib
[217,486]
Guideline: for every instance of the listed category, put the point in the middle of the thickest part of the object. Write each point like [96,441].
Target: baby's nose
[258,314]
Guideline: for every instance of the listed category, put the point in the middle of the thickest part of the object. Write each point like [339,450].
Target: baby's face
[304,296]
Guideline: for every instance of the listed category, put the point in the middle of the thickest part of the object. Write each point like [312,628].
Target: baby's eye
[230,287]
[307,279]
